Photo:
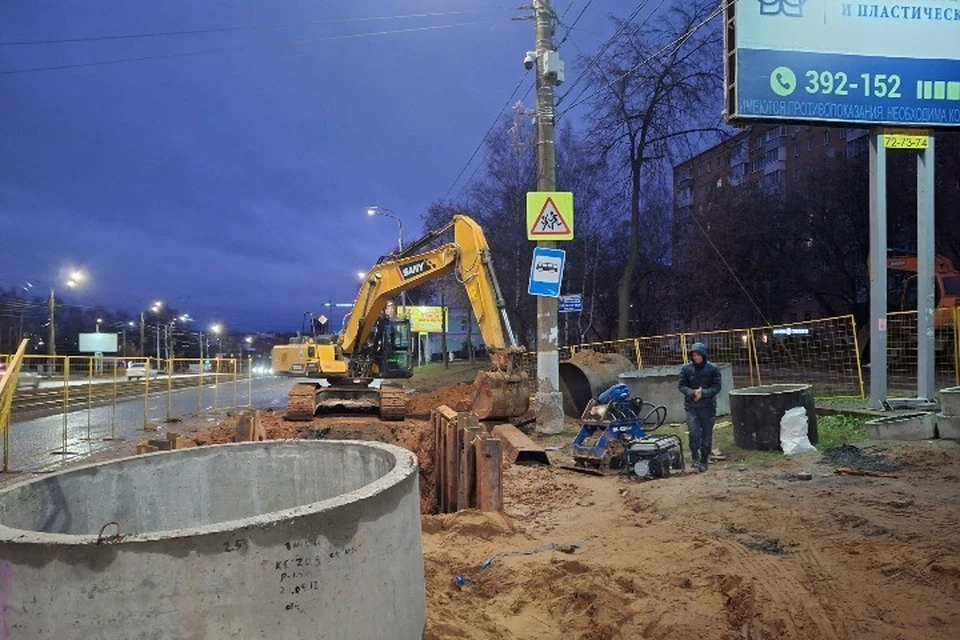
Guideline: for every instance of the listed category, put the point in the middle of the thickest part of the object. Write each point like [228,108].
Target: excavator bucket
[497,395]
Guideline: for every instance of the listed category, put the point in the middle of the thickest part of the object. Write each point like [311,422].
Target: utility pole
[549,399]
[142,342]
[52,344]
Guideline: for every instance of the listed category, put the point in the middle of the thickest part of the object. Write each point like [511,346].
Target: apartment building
[767,157]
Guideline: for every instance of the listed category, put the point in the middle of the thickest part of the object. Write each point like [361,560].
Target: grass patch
[723,440]
[836,431]
[435,375]
[841,402]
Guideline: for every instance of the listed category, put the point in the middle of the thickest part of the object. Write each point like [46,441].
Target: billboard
[882,62]
[425,319]
[98,343]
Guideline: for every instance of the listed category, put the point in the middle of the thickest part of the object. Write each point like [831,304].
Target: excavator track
[301,402]
[393,403]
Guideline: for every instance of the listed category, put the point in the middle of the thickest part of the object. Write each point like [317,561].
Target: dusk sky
[233,185]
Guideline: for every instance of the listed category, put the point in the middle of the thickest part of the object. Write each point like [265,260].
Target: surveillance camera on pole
[529,60]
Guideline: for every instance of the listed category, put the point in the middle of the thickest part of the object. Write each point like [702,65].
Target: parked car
[26,379]
[138,371]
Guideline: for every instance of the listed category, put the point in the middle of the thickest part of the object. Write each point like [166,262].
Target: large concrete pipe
[281,539]
[588,374]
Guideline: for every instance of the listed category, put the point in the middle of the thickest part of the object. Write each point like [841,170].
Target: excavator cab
[394,348]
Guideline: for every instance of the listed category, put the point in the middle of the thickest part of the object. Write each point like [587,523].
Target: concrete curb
[913,426]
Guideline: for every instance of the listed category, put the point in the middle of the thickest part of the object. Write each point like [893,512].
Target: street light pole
[73,279]
[51,345]
[383,211]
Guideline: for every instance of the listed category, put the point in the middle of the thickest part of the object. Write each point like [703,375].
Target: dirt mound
[590,357]
[470,523]
[940,456]
[535,495]
[458,397]
[413,435]
[274,425]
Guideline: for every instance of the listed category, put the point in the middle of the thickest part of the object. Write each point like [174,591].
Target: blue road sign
[546,272]
[571,303]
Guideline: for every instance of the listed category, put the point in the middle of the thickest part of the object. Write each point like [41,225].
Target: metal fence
[86,392]
[902,351]
[825,353]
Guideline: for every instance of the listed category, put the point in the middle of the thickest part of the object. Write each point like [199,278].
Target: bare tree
[660,89]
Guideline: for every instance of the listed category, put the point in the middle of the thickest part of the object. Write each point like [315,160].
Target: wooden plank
[448,414]
[246,429]
[468,426]
[439,469]
[451,463]
[489,474]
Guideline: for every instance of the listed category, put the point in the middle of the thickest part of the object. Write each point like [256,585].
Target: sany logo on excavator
[417,268]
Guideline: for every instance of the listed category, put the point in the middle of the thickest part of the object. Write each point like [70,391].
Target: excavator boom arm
[468,255]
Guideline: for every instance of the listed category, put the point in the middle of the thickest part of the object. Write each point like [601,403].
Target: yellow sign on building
[906,138]
[426,319]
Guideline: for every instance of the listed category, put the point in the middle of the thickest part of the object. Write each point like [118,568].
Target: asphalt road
[38,444]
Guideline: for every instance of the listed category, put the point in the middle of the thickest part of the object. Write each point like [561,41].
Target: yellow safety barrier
[68,386]
[8,388]
[902,352]
[822,352]
[956,346]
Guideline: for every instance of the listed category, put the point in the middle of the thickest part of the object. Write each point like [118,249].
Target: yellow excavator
[373,348]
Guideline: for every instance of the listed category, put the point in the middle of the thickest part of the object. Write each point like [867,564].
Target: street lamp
[374,210]
[157,306]
[170,336]
[130,324]
[217,330]
[383,211]
[99,322]
[72,280]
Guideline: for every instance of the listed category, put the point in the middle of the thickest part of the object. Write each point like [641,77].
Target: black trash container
[756,414]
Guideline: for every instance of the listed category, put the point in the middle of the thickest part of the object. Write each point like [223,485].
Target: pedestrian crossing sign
[549,215]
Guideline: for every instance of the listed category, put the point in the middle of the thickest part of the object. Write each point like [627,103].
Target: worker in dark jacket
[700,383]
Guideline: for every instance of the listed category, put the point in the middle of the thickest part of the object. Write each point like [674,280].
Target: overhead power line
[606,45]
[485,136]
[676,44]
[574,23]
[269,27]
[257,47]
[480,163]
